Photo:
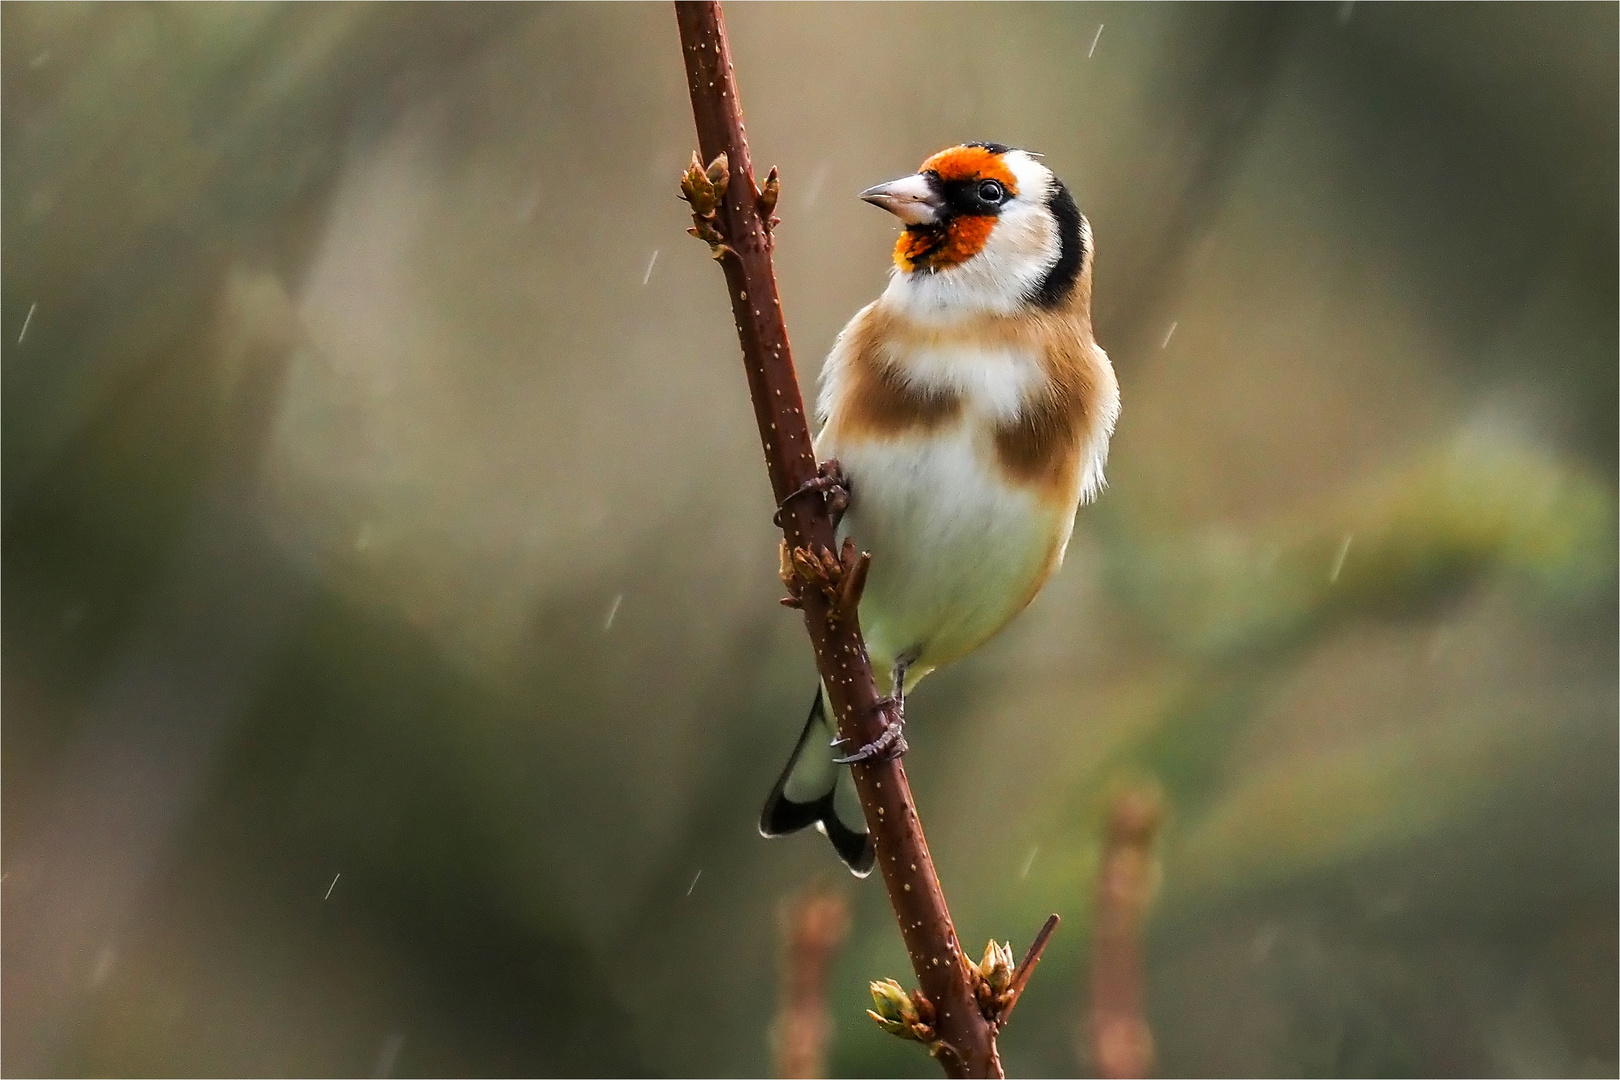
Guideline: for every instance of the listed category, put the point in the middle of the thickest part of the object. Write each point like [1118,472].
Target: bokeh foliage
[391,663]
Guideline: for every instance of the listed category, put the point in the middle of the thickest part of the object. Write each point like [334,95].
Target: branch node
[704,189]
[766,197]
[839,578]
[901,1014]
[992,980]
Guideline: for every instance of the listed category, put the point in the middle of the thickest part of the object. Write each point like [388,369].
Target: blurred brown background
[391,664]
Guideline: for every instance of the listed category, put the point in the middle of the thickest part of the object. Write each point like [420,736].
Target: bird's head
[986,227]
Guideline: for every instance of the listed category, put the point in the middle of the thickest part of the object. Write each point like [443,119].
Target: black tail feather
[782,815]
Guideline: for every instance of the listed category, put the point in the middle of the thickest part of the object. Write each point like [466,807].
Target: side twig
[1026,968]
[734,216]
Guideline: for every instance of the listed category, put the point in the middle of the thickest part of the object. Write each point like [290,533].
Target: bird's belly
[957,549]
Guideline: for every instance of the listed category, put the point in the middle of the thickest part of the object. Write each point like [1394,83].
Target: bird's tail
[815,790]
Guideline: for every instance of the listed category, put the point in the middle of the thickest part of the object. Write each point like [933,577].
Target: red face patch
[961,239]
[964,235]
[971,163]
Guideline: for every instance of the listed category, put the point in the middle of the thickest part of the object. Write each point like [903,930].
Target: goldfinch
[968,410]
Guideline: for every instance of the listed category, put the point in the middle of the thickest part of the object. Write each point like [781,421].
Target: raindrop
[1029,861]
[388,1054]
[1338,560]
[104,966]
[818,180]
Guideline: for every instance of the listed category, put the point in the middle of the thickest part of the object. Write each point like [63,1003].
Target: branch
[813,925]
[734,217]
[1121,1041]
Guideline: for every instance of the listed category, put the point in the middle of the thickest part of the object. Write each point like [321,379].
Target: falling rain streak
[1338,560]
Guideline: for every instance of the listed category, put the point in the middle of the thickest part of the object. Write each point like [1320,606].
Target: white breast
[957,550]
[994,382]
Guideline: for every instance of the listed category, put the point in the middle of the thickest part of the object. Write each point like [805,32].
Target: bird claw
[829,481]
[889,745]
[891,741]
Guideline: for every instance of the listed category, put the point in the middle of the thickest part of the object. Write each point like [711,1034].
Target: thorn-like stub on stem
[703,189]
[997,985]
[790,578]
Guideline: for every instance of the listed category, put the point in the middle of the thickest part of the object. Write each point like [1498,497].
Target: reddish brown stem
[1121,1041]
[902,851]
[813,925]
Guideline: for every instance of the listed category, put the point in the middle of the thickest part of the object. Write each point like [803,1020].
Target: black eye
[991,192]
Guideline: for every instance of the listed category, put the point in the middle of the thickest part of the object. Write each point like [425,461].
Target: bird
[964,415]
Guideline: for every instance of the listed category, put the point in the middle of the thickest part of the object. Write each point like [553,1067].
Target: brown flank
[877,403]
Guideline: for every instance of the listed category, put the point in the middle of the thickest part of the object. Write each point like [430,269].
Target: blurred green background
[392,669]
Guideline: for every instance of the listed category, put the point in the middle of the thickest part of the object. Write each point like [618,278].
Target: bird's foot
[830,482]
[890,743]
[839,578]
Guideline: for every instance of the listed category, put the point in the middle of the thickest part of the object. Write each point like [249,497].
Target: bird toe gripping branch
[829,482]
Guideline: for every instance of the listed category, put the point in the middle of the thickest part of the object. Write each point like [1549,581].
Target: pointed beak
[912,199]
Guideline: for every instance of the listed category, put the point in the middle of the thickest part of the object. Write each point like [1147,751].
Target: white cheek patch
[1022,248]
